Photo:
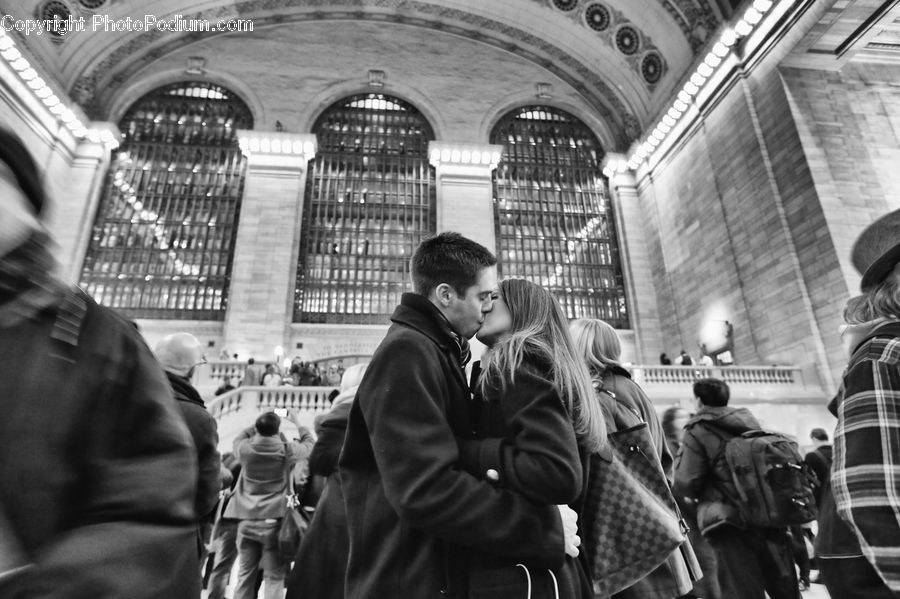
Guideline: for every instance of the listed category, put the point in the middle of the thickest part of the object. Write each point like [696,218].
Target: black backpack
[771,485]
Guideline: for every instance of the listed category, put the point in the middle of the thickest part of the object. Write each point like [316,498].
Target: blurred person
[664,359]
[253,374]
[858,543]
[684,359]
[267,460]
[225,387]
[223,544]
[819,459]
[321,561]
[751,561]
[179,354]
[332,377]
[271,378]
[413,516]
[98,465]
[624,405]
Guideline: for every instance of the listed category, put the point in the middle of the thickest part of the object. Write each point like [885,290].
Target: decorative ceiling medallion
[652,67]
[54,10]
[565,5]
[627,40]
[597,17]
[92,4]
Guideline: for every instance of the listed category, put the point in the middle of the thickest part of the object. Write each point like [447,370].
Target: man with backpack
[722,466]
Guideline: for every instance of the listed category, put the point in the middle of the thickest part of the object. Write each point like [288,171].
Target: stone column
[464,189]
[260,303]
[76,183]
[634,254]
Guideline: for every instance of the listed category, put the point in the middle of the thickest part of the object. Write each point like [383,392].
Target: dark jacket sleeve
[693,469]
[206,440]
[325,453]
[415,449]
[539,458]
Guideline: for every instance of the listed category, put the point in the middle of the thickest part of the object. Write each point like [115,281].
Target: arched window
[552,212]
[162,243]
[370,199]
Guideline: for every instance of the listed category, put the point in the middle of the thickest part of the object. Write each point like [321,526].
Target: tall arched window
[370,199]
[162,243]
[552,212]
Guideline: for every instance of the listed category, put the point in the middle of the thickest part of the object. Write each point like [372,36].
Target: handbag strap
[528,577]
[612,394]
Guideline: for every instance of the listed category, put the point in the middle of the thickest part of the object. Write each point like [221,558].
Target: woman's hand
[570,529]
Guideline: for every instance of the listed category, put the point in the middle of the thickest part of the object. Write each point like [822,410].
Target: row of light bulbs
[704,71]
[463,156]
[27,73]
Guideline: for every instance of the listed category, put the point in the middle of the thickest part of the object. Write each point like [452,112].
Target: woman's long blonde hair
[597,344]
[539,328]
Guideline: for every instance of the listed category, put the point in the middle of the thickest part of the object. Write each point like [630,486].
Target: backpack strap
[67,327]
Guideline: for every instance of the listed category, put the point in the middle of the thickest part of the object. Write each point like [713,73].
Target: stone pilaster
[464,189]
[640,294]
[77,183]
[265,258]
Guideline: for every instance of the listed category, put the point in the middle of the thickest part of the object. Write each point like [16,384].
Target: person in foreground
[98,468]
[858,544]
[535,423]
[413,515]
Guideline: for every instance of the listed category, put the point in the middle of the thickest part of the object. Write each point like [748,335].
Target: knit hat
[14,153]
[877,250]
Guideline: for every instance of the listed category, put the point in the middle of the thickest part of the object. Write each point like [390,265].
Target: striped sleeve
[866,470]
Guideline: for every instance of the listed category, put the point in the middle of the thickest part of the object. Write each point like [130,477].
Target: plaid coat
[865,475]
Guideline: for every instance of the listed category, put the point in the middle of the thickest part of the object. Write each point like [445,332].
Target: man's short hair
[268,424]
[448,258]
[712,392]
[818,434]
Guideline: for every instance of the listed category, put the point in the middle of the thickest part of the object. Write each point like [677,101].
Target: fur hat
[877,250]
[14,153]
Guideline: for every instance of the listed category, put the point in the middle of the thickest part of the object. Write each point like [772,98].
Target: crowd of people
[298,374]
[429,476]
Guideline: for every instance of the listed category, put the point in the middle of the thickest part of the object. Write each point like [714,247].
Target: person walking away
[751,561]
[180,354]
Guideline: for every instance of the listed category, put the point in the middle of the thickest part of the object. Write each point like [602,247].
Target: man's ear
[444,294]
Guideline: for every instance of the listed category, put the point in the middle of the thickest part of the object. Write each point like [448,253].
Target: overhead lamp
[652,141]
[10,52]
[28,74]
[698,79]
[728,38]
[37,83]
[712,60]
[704,70]
[641,152]
[680,105]
[752,16]
[674,113]
[657,135]
[435,155]
[762,5]
[743,28]
[668,122]
[691,88]
[633,165]
[20,64]
[720,49]
[684,98]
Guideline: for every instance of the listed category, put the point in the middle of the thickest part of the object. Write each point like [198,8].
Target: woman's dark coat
[524,434]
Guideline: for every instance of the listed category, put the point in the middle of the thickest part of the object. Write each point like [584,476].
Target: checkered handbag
[630,513]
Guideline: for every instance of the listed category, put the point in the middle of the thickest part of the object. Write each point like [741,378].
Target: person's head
[673,421]
[180,353]
[21,193]
[251,362]
[683,353]
[597,343]
[270,369]
[529,320]
[268,424]
[714,393]
[818,436]
[876,256]
[353,376]
[458,276]
[226,381]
